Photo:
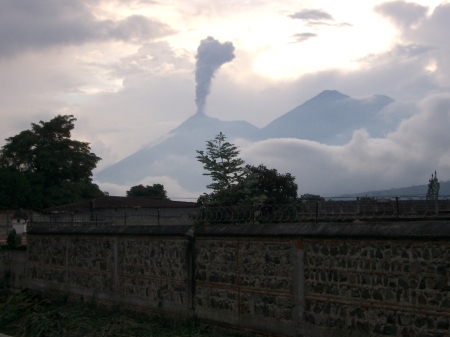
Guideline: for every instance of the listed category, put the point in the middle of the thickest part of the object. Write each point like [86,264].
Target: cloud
[154,58]
[402,13]
[317,17]
[426,34]
[303,37]
[173,188]
[312,15]
[405,157]
[36,25]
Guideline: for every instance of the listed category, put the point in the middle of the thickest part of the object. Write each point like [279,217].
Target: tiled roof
[109,202]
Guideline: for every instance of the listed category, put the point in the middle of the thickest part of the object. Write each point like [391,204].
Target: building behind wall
[124,211]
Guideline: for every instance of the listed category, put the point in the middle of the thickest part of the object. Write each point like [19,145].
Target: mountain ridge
[174,154]
[415,190]
[330,110]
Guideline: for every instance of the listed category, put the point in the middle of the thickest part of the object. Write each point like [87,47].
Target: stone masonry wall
[387,287]
[147,272]
[242,281]
[153,269]
[91,262]
[47,258]
[271,279]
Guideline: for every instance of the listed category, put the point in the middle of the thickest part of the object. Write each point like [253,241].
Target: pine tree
[433,187]
[222,162]
[234,184]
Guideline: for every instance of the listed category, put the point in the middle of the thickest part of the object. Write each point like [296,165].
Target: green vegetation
[311,197]
[234,184]
[433,187]
[277,188]
[44,167]
[27,314]
[13,239]
[156,191]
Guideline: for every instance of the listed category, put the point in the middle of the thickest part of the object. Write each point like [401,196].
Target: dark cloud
[317,17]
[312,15]
[399,51]
[32,24]
[211,54]
[344,24]
[303,37]
[403,14]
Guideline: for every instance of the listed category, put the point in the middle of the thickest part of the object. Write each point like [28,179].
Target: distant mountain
[330,118]
[174,154]
[404,191]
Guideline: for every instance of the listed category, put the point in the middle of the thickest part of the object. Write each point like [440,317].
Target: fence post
[30,223]
[125,218]
[158,215]
[71,217]
[7,223]
[96,218]
[397,206]
[253,214]
[317,211]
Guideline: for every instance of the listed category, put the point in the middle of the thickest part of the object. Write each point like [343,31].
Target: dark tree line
[43,167]
[156,191]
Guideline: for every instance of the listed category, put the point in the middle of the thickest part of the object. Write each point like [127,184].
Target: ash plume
[211,54]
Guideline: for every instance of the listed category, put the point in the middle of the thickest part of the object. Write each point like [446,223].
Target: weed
[28,314]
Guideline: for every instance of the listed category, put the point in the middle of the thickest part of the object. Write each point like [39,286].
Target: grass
[27,314]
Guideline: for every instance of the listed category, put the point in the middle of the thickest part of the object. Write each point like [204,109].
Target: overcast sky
[125,69]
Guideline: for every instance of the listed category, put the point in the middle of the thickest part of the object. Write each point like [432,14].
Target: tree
[156,191]
[222,162]
[276,187]
[224,167]
[57,169]
[15,189]
[234,184]
[311,197]
[433,187]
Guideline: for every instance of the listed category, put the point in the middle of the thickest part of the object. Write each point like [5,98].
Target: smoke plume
[211,54]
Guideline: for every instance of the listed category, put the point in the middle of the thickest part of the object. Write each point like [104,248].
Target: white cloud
[405,157]
[173,188]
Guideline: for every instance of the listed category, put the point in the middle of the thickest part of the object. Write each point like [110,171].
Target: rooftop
[108,202]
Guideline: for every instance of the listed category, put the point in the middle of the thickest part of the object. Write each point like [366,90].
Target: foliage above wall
[44,167]
[156,191]
[235,184]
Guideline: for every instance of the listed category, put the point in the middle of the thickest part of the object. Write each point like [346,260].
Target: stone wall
[147,272]
[388,287]
[246,282]
[6,223]
[154,269]
[13,265]
[304,280]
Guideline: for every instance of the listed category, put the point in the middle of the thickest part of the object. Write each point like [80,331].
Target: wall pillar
[298,258]
[116,266]
[66,274]
[190,273]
